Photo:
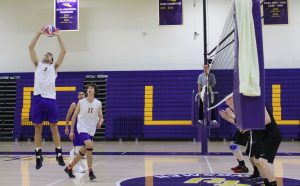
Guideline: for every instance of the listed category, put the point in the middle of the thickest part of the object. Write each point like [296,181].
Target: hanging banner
[67,15]
[275,12]
[170,12]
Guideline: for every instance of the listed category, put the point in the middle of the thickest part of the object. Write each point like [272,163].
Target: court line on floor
[209,165]
[63,179]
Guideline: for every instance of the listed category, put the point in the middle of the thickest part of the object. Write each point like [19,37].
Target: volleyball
[49,30]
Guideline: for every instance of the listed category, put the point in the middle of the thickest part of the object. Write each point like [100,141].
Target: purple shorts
[85,136]
[77,139]
[43,109]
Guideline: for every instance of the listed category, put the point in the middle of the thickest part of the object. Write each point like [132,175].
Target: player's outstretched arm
[63,51]
[32,52]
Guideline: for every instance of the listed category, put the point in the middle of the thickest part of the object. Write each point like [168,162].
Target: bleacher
[7,106]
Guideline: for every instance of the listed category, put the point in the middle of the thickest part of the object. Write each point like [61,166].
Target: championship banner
[275,12]
[170,12]
[67,15]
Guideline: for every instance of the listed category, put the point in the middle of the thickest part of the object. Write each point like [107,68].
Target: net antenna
[240,50]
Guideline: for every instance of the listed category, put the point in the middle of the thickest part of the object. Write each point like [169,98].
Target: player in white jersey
[44,107]
[89,117]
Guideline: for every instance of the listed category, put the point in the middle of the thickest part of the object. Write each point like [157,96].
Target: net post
[204,142]
[203,128]
[204,32]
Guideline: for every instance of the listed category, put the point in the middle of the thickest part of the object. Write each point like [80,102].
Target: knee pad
[81,153]
[233,146]
[89,149]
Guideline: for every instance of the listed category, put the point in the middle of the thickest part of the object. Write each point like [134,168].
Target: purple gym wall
[172,100]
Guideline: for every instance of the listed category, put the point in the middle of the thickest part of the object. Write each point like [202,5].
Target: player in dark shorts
[270,145]
[253,150]
[263,151]
[262,146]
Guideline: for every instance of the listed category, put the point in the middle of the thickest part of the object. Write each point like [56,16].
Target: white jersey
[87,118]
[44,80]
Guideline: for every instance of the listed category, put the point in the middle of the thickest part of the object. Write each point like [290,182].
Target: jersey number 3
[90,110]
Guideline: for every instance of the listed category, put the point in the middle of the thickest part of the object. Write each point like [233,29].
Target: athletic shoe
[39,159]
[234,168]
[241,169]
[92,176]
[39,163]
[70,172]
[60,161]
[59,157]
